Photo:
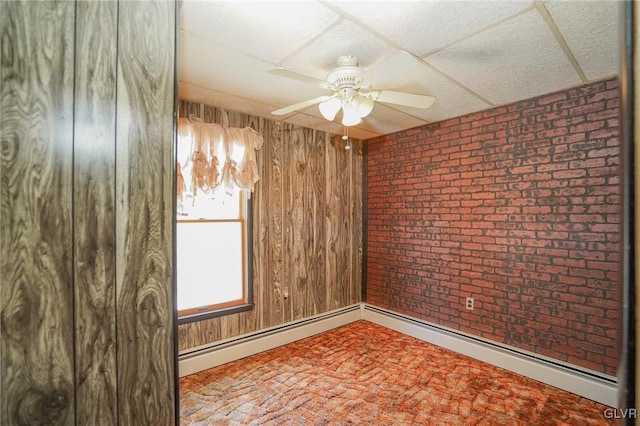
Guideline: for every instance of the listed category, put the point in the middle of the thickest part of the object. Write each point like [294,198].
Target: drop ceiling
[473,55]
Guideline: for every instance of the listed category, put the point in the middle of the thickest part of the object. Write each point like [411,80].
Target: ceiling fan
[355,97]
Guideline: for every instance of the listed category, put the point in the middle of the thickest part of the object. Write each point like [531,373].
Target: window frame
[186,316]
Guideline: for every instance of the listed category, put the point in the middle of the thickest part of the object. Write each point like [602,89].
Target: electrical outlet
[469,304]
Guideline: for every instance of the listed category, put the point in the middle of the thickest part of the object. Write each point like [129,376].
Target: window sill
[201,316]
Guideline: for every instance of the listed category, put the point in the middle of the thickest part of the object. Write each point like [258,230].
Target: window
[216,173]
[213,257]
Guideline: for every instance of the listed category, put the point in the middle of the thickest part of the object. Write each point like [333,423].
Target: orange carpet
[369,375]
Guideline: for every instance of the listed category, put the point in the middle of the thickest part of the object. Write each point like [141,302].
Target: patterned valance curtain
[213,157]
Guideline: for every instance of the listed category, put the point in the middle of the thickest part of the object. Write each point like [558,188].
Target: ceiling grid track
[420,59]
[265,60]
[561,41]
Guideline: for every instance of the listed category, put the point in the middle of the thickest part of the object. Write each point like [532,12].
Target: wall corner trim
[595,386]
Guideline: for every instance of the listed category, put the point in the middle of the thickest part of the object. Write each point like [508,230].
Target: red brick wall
[517,207]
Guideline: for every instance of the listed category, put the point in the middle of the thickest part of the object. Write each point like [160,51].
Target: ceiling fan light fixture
[350,115]
[330,108]
[363,104]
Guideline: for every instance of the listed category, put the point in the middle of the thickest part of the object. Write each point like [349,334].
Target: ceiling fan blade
[401,98]
[399,64]
[300,105]
[283,72]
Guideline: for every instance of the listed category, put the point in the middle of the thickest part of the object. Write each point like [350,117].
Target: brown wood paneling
[36,295]
[293,245]
[260,225]
[144,215]
[307,227]
[357,214]
[339,195]
[315,289]
[272,288]
[94,236]
[254,317]
[187,109]
[58,245]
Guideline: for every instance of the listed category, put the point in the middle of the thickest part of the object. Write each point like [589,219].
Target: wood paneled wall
[86,217]
[307,227]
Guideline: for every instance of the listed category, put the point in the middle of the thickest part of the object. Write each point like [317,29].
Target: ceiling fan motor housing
[347,75]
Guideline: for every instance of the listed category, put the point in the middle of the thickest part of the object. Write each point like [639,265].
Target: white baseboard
[592,385]
[597,387]
[205,357]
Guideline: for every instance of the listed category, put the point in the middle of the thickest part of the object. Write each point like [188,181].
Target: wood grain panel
[357,215]
[144,216]
[348,178]
[299,170]
[273,286]
[259,236]
[36,294]
[210,114]
[295,241]
[315,207]
[337,222]
[187,109]
[198,332]
[272,295]
[94,185]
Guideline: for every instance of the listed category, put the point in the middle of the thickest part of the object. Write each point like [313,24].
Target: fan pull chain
[345,138]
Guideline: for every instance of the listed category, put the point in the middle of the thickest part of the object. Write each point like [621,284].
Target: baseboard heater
[204,357]
[598,387]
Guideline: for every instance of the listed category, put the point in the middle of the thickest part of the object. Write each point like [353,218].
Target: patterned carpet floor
[365,374]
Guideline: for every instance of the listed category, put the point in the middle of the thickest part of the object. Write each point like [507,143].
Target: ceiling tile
[384,120]
[312,122]
[190,92]
[346,38]
[362,134]
[425,26]
[591,30]
[451,99]
[474,51]
[517,59]
[206,64]
[270,30]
